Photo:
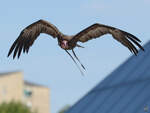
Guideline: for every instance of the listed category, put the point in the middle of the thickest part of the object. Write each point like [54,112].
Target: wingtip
[143,49]
[7,55]
[137,39]
[14,56]
[18,57]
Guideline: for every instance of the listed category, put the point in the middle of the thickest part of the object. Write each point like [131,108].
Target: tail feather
[79,46]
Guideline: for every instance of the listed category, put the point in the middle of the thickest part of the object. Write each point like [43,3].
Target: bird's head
[64,44]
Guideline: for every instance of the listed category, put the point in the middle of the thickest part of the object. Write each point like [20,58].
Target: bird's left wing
[97,30]
[30,34]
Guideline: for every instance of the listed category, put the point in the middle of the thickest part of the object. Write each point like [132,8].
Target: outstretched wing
[97,30]
[30,34]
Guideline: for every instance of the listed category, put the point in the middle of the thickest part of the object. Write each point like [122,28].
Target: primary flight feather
[31,32]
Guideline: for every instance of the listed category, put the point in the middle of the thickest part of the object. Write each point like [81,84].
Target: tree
[14,107]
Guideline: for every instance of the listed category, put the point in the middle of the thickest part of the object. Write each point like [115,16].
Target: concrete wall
[11,87]
[39,99]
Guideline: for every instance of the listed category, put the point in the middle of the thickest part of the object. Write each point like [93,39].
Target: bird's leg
[78,59]
[75,62]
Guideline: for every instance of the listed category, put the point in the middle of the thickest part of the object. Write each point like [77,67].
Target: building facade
[14,88]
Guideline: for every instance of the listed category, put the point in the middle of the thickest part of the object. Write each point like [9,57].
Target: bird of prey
[31,33]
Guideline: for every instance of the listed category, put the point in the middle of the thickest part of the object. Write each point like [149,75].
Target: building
[14,88]
[125,90]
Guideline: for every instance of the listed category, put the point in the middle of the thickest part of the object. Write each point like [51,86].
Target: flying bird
[66,42]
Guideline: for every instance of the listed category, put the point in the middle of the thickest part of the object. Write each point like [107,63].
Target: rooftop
[125,90]
[3,74]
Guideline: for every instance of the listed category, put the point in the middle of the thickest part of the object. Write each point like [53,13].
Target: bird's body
[63,42]
[66,42]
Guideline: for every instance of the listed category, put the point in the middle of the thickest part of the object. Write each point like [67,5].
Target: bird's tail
[79,46]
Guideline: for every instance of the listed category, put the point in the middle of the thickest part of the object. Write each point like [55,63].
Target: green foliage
[64,109]
[14,107]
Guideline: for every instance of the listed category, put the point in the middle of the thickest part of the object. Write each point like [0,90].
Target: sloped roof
[125,90]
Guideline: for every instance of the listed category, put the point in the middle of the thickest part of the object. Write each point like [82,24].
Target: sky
[48,64]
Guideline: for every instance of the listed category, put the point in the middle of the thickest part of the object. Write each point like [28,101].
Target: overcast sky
[49,65]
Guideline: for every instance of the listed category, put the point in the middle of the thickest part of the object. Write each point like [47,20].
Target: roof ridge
[33,84]
[9,73]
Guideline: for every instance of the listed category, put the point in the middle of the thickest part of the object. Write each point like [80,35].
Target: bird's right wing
[30,34]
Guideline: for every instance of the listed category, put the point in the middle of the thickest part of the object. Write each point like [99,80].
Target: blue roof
[125,90]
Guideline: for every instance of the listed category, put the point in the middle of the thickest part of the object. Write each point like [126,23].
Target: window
[27,93]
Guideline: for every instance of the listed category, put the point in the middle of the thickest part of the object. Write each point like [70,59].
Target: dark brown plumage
[97,30]
[30,34]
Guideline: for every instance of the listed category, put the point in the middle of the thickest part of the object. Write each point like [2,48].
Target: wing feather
[98,30]
[30,34]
